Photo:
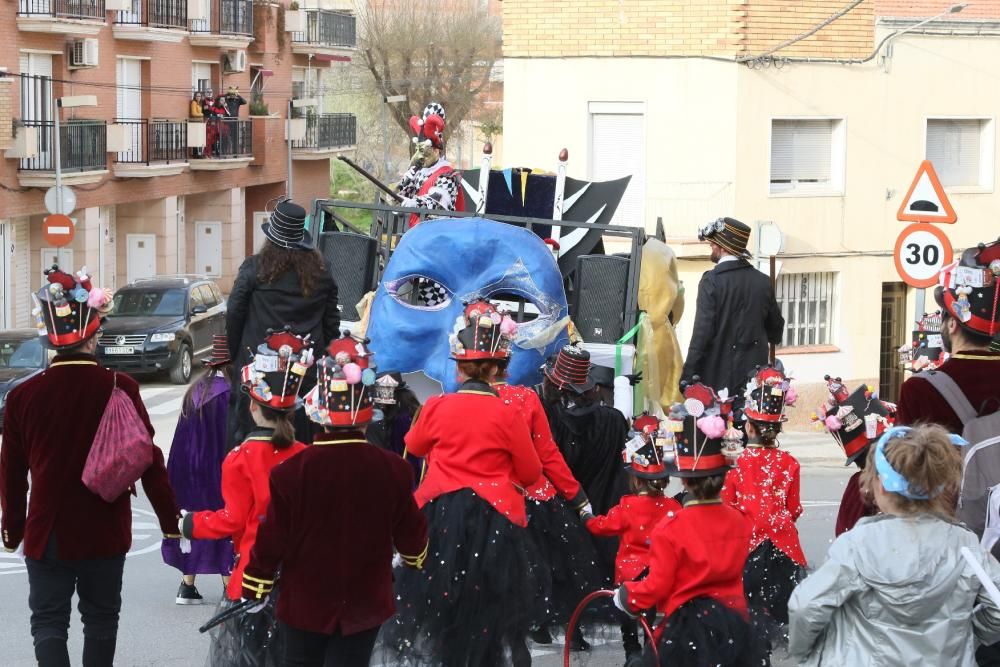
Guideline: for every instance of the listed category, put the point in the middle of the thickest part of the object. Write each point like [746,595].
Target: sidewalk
[813,448]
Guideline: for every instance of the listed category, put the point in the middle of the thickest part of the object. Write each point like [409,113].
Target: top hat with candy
[481,333]
[643,453]
[729,233]
[698,427]
[767,394]
[969,291]
[345,383]
[69,308]
[854,420]
[429,127]
[274,376]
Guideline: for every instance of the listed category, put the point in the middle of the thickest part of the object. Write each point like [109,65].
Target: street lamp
[293,104]
[71,102]
[954,9]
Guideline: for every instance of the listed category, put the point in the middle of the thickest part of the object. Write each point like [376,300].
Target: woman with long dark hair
[285,283]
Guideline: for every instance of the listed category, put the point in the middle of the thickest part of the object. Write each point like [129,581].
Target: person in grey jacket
[896,589]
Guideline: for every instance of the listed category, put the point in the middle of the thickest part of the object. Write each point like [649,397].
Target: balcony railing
[328,131]
[83,146]
[327,28]
[155,14]
[229,137]
[72,9]
[226,17]
[154,141]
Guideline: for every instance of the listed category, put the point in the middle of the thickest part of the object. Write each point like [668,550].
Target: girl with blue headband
[896,589]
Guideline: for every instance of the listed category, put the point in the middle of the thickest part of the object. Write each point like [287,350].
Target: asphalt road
[156,632]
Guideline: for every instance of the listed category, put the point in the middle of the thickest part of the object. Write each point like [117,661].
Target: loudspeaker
[351,259]
[599,289]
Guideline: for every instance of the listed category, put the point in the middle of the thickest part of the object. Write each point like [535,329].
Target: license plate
[119,350]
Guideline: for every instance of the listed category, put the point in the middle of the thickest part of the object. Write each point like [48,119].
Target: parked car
[21,357]
[162,324]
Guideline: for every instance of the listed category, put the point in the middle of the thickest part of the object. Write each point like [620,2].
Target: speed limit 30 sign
[921,252]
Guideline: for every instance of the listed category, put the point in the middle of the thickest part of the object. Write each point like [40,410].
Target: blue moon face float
[441,264]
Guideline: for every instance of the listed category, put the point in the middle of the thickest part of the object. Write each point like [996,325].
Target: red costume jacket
[699,552]
[245,490]
[975,373]
[474,443]
[853,506]
[49,426]
[764,485]
[337,510]
[633,520]
[556,476]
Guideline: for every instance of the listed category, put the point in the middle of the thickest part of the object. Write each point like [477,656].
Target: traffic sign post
[58,230]
[921,252]
[926,200]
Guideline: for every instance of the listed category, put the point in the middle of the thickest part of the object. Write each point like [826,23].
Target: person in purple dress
[195,470]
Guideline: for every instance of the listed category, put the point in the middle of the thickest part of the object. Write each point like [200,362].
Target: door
[109,249]
[893,335]
[259,218]
[204,12]
[37,105]
[61,256]
[208,248]
[201,322]
[129,107]
[618,149]
[6,293]
[140,256]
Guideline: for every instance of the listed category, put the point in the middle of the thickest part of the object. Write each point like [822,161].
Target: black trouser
[51,584]
[312,649]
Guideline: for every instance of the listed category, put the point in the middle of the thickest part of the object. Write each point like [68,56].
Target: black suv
[162,324]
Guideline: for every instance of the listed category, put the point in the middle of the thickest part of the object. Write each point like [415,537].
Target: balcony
[152,148]
[83,151]
[153,21]
[327,33]
[226,24]
[327,135]
[229,145]
[63,17]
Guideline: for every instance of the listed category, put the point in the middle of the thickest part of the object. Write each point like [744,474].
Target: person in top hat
[471,602]
[195,468]
[272,381]
[396,407]
[764,485]
[855,420]
[286,282]
[697,556]
[337,511]
[73,540]
[736,313]
[969,296]
[633,519]
[431,181]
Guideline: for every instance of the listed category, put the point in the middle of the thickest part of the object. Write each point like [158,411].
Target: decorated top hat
[287,226]
[969,291]
[429,127]
[855,420]
[220,351]
[643,453]
[767,394]
[699,425]
[571,370]
[69,308]
[275,375]
[345,380]
[729,233]
[386,386]
[481,333]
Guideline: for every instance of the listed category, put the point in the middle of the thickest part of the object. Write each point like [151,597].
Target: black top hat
[571,370]
[729,233]
[220,351]
[696,454]
[855,421]
[602,375]
[968,290]
[69,308]
[287,226]
[274,377]
[482,333]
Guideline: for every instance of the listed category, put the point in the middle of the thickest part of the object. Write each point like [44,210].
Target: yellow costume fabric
[661,296]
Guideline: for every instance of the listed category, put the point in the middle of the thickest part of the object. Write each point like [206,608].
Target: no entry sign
[58,230]
[922,250]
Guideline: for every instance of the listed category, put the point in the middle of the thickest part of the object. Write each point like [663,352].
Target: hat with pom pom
[643,452]
[767,394]
[854,420]
[698,443]
[274,377]
[69,309]
[481,333]
[345,384]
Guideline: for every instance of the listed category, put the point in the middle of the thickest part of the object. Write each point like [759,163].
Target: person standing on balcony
[232,102]
[431,181]
[197,115]
[223,146]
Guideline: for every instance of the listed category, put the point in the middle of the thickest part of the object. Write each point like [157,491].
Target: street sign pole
[774,280]
[58,157]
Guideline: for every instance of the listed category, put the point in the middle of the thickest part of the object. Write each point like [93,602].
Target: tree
[431,51]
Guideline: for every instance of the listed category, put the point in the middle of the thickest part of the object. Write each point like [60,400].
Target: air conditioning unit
[82,53]
[236,61]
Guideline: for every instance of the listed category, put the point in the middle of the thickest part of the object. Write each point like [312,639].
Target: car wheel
[181,372]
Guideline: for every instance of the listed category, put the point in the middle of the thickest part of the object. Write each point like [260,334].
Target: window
[807,304]
[151,302]
[618,149]
[961,150]
[201,77]
[807,156]
[207,296]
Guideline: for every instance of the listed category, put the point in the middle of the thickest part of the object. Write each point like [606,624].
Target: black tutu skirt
[247,640]
[564,561]
[705,633]
[769,577]
[470,605]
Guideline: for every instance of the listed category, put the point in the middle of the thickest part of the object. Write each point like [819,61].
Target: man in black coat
[736,316]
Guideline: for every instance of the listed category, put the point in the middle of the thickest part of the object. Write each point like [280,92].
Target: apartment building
[148,201]
[821,137]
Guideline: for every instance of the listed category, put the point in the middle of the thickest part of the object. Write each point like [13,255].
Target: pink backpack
[122,449]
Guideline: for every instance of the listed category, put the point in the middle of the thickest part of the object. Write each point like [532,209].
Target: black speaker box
[351,259]
[600,287]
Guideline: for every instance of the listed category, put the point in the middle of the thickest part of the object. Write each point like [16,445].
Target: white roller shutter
[954,146]
[801,151]
[618,149]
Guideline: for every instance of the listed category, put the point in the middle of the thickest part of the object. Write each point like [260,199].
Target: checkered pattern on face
[431,293]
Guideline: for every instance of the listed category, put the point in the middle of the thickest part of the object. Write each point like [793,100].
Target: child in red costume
[633,519]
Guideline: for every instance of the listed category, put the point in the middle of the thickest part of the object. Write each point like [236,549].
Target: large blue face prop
[440,264]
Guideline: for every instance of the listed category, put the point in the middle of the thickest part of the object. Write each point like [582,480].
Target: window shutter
[954,146]
[617,150]
[801,150]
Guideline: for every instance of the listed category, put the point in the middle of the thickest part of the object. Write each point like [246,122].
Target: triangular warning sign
[926,201]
